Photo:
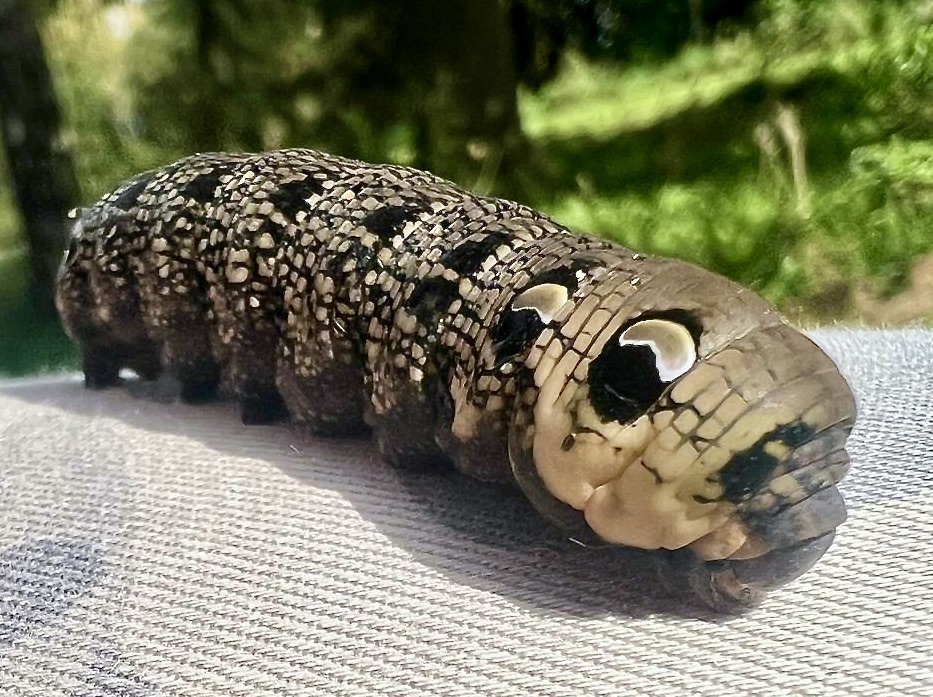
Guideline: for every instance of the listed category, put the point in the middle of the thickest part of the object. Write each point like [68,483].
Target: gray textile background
[149,548]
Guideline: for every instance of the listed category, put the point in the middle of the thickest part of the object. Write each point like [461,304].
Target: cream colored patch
[777,449]
[405,322]
[545,299]
[581,313]
[748,429]
[785,486]
[694,383]
[818,414]
[651,503]
[572,475]
[466,421]
[674,465]
[722,542]
[711,428]
[728,411]
[687,422]
[467,416]
[648,484]
[635,510]
[544,364]
[237,274]
[715,393]
[610,471]
[731,408]
[103,314]
[671,343]
[713,459]
[753,547]
[238,256]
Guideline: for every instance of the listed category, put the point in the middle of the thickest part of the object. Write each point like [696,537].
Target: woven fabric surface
[152,548]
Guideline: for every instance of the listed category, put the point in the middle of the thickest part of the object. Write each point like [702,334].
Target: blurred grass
[683,157]
[31,338]
[686,158]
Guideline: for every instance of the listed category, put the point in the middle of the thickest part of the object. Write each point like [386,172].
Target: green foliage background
[633,125]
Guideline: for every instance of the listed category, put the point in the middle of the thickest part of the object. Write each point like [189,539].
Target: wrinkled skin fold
[636,401]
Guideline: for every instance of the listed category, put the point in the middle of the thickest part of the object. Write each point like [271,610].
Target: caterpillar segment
[637,402]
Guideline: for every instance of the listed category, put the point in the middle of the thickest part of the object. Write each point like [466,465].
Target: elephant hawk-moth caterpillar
[636,401]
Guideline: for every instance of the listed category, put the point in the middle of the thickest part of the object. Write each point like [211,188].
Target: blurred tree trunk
[473,132]
[40,169]
[447,69]
[698,30]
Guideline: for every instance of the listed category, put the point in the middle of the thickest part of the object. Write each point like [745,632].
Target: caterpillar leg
[178,321]
[99,367]
[403,415]
[187,353]
[252,374]
[321,383]
[112,336]
[101,362]
[475,440]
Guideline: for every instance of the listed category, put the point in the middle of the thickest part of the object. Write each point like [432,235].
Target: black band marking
[467,257]
[388,221]
[748,470]
[202,187]
[291,197]
[130,195]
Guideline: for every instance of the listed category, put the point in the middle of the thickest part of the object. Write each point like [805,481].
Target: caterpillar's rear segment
[114,306]
[637,402]
[101,314]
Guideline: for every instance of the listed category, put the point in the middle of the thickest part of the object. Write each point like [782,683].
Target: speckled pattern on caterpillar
[636,401]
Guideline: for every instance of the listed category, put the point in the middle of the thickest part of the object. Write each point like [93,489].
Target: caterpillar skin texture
[636,401]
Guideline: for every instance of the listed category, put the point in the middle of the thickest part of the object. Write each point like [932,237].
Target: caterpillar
[636,401]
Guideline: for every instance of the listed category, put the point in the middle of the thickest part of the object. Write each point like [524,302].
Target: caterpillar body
[636,401]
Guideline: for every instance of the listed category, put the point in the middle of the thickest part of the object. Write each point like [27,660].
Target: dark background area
[785,143]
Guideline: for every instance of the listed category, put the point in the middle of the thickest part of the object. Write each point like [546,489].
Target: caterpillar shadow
[483,535]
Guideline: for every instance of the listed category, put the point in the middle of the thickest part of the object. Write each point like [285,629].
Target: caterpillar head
[681,414]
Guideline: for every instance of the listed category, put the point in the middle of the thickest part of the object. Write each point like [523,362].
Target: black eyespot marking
[529,313]
[431,297]
[624,379]
[388,221]
[748,470]
[130,195]
[290,197]
[514,333]
[202,187]
[469,256]
[624,382]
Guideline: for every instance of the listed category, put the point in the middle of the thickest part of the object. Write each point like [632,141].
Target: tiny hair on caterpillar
[636,401]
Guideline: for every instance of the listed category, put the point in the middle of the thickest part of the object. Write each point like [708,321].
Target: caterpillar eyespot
[636,401]
[671,344]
